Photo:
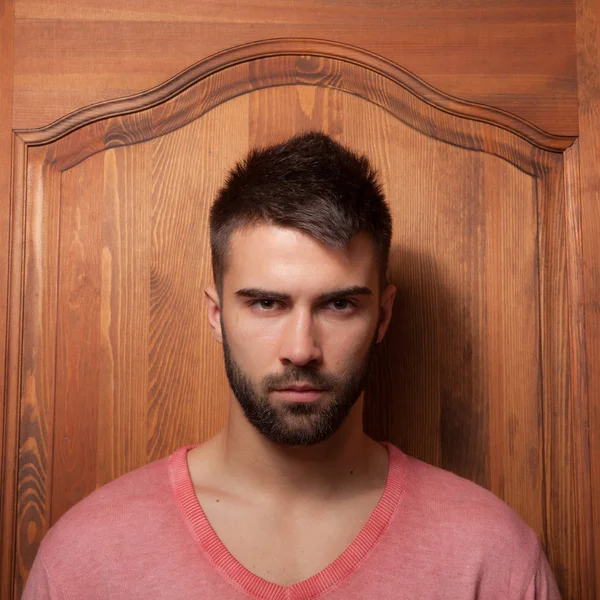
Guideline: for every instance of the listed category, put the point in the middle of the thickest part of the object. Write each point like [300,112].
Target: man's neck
[347,463]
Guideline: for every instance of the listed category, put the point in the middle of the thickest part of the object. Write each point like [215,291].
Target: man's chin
[302,409]
[297,437]
[299,429]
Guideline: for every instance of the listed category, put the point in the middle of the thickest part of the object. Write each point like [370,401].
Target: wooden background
[522,57]
[513,54]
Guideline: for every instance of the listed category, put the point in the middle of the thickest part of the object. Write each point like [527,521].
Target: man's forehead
[287,264]
[272,241]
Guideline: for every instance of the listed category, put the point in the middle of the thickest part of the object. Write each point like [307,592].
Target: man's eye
[264,304]
[343,305]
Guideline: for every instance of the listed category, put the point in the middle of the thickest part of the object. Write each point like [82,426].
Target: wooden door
[111,361]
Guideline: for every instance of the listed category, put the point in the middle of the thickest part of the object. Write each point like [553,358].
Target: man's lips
[300,393]
[300,388]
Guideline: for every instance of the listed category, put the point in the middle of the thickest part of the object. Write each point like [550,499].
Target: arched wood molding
[297,49]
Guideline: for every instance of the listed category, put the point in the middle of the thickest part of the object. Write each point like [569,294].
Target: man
[292,500]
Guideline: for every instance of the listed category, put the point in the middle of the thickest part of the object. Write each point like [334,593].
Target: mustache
[301,376]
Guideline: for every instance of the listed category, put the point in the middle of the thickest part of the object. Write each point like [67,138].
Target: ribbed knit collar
[319,583]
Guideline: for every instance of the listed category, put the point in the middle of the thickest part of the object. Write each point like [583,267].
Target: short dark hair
[309,183]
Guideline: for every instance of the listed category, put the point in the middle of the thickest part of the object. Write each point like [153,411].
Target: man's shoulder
[143,485]
[454,534]
[141,498]
[458,510]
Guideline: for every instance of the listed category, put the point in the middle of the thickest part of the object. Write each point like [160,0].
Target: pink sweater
[432,535]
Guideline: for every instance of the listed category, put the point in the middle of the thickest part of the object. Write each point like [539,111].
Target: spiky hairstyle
[309,183]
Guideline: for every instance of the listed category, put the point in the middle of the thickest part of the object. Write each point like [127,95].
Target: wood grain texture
[124,290]
[11,423]
[38,358]
[580,399]
[77,383]
[517,56]
[516,402]
[473,375]
[273,72]
[6,94]
[588,414]
[558,442]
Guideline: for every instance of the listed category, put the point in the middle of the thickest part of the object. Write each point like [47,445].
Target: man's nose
[300,343]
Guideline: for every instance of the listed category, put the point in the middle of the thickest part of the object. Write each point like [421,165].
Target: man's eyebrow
[354,290]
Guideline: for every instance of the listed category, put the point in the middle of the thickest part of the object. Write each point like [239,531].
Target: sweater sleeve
[542,585]
[39,584]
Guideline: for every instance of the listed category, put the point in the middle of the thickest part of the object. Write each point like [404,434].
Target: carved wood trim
[13,368]
[578,381]
[298,47]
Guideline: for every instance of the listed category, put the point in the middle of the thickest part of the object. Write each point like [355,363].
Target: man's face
[278,330]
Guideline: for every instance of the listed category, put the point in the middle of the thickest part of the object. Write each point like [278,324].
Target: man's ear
[385,310]
[214,312]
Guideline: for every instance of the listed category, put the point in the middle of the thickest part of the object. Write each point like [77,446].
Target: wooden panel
[472,373]
[513,363]
[124,290]
[76,402]
[516,55]
[585,220]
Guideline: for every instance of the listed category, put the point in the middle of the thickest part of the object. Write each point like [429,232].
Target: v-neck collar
[315,585]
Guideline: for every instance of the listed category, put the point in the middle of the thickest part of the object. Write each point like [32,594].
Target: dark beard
[298,423]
